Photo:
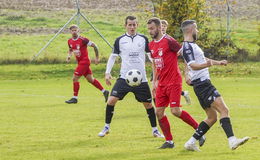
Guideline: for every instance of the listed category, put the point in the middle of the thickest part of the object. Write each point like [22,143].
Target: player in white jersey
[131,47]
[211,101]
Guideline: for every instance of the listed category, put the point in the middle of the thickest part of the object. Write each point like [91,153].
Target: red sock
[76,88]
[165,127]
[97,84]
[186,117]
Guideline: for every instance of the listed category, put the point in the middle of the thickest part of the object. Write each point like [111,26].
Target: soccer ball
[133,77]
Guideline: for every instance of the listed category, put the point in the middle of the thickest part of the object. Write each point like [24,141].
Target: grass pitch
[36,124]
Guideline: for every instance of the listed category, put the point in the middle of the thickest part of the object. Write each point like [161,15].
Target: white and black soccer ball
[134,77]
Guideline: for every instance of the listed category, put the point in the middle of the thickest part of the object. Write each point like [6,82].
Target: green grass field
[36,124]
[26,32]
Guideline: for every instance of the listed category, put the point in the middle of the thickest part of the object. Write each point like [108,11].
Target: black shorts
[142,92]
[205,92]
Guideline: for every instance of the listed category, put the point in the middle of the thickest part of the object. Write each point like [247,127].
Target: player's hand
[188,81]
[154,86]
[108,77]
[209,62]
[96,61]
[68,59]
[223,62]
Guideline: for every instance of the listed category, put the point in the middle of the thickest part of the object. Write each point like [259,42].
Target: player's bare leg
[76,86]
[98,85]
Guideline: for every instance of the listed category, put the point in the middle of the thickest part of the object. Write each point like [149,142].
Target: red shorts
[168,94]
[82,70]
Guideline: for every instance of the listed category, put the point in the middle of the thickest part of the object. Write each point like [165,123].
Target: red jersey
[79,48]
[164,53]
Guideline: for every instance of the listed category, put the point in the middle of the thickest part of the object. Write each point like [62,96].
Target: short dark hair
[154,20]
[130,18]
[164,22]
[186,23]
[73,26]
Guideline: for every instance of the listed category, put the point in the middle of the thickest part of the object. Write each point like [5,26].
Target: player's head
[154,27]
[164,26]
[189,28]
[131,25]
[74,30]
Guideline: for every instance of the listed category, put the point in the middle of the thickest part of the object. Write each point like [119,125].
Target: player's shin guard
[187,118]
[97,84]
[76,88]
[165,127]
[227,127]
[201,130]
[109,113]
[151,116]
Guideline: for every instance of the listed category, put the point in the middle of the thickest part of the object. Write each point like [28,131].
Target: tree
[176,11]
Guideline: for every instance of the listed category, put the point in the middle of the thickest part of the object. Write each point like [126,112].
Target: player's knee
[159,114]
[176,111]
[112,100]
[224,111]
[75,79]
[90,81]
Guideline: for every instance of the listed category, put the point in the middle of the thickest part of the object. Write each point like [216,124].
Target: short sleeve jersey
[79,48]
[192,53]
[164,52]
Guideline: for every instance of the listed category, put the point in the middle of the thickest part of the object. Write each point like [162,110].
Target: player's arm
[186,74]
[69,54]
[215,62]
[155,79]
[208,63]
[110,64]
[150,57]
[189,58]
[96,52]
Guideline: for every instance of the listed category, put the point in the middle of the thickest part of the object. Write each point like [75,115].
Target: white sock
[231,139]
[154,128]
[171,142]
[192,140]
[75,97]
[103,90]
[107,125]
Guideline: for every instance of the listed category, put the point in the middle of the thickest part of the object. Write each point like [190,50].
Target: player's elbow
[194,66]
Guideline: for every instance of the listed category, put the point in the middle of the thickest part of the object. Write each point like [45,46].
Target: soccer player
[78,46]
[208,96]
[185,94]
[131,47]
[167,81]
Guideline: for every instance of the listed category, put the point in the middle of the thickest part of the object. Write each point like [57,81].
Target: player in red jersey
[78,46]
[167,83]
[185,94]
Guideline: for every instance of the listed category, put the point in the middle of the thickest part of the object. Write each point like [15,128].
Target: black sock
[182,93]
[226,125]
[151,116]
[201,130]
[109,113]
